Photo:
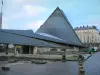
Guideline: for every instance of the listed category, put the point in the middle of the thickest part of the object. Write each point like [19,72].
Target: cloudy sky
[30,14]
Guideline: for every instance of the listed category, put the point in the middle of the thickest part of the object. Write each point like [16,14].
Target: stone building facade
[89,35]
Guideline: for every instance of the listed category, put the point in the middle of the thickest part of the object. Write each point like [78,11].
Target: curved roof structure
[58,25]
[22,37]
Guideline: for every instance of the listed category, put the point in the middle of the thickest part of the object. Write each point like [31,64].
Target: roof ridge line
[27,36]
[49,17]
[69,24]
[15,34]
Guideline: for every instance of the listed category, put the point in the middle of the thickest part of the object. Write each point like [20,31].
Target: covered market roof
[58,25]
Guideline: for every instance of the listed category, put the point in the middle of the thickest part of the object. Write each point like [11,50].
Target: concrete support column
[67,49]
[15,50]
[6,50]
[49,49]
[30,50]
[21,50]
[78,51]
[35,50]
[58,49]
[75,49]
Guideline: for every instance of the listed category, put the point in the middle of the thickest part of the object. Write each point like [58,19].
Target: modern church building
[56,33]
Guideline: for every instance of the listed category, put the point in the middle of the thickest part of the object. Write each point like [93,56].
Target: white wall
[89,35]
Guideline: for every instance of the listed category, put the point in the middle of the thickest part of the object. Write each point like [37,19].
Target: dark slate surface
[49,39]
[58,25]
[92,65]
[31,34]
[6,37]
[20,32]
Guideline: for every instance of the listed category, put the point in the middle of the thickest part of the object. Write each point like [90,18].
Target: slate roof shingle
[14,37]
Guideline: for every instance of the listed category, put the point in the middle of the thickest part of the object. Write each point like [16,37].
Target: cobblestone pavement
[53,68]
[92,67]
[2,63]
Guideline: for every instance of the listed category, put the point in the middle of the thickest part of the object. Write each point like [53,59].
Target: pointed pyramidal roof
[58,25]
